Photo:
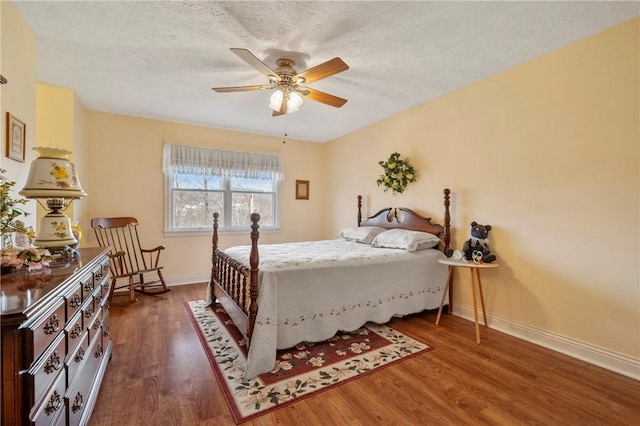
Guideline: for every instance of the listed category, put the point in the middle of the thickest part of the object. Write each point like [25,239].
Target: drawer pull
[77,403]
[98,276]
[97,324]
[54,404]
[106,331]
[76,331]
[53,363]
[98,352]
[88,286]
[75,300]
[79,356]
[89,312]
[52,325]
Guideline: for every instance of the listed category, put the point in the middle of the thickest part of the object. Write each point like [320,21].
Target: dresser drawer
[45,330]
[46,368]
[106,285]
[100,273]
[95,322]
[78,394]
[106,329]
[105,281]
[52,406]
[74,301]
[74,330]
[99,295]
[75,358]
[88,286]
[101,290]
[89,311]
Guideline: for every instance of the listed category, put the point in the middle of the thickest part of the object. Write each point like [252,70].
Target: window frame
[227,195]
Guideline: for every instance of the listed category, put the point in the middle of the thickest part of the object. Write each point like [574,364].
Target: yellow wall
[60,118]
[125,179]
[80,212]
[18,53]
[55,116]
[545,152]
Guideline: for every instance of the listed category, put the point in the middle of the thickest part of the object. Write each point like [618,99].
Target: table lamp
[52,177]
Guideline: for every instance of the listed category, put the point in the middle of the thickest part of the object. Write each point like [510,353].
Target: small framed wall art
[302,190]
[16,138]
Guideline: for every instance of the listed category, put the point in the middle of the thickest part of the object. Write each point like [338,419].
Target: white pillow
[405,239]
[362,234]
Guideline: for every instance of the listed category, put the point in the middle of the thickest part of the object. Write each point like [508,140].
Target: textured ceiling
[160,59]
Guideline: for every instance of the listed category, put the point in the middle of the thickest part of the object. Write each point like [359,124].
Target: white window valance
[219,162]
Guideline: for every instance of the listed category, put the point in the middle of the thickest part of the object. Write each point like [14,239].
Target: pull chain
[284,139]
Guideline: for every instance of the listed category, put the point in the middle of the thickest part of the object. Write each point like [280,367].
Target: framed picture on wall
[16,138]
[302,190]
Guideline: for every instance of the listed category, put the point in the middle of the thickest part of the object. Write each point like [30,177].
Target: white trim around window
[199,181]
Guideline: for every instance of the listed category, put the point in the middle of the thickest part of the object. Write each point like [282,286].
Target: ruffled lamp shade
[52,176]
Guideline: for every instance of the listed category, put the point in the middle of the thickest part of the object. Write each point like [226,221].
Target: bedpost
[447,244]
[214,238]
[254,260]
[359,210]
[447,222]
[214,265]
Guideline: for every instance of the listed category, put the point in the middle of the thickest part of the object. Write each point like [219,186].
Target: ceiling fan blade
[325,98]
[240,88]
[324,70]
[256,63]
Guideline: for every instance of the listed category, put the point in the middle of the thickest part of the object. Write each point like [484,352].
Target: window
[200,181]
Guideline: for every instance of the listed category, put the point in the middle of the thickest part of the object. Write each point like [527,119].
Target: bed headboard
[404,218]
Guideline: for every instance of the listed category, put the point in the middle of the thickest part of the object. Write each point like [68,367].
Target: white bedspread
[311,290]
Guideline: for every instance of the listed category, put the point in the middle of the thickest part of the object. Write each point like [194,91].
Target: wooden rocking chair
[128,260]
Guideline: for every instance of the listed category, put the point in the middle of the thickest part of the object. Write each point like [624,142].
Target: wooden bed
[235,284]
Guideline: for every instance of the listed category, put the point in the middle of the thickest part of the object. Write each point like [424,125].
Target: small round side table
[475,276]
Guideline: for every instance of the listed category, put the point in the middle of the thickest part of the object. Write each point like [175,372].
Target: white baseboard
[174,281]
[188,279]
[619,363]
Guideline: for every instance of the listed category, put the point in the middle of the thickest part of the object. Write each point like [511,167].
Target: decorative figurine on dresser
[55,340]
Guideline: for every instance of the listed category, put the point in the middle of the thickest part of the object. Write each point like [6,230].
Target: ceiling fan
[290,85]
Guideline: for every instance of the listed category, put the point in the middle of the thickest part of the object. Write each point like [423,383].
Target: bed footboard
[235,285]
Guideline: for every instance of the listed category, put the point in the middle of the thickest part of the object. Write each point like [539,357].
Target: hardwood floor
[159,375]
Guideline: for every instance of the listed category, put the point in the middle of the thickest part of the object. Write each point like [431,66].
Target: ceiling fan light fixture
[294,101]
[276,100]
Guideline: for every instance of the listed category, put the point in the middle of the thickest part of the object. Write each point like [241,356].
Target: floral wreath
[397,174]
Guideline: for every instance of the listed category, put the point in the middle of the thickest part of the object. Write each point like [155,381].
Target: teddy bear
[476,248]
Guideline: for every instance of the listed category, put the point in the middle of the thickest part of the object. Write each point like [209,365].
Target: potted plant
[10,211]
[11,256]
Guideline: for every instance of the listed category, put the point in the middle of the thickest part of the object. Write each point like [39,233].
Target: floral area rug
[299,372]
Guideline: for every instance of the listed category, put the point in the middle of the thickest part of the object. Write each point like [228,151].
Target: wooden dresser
[55,340]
